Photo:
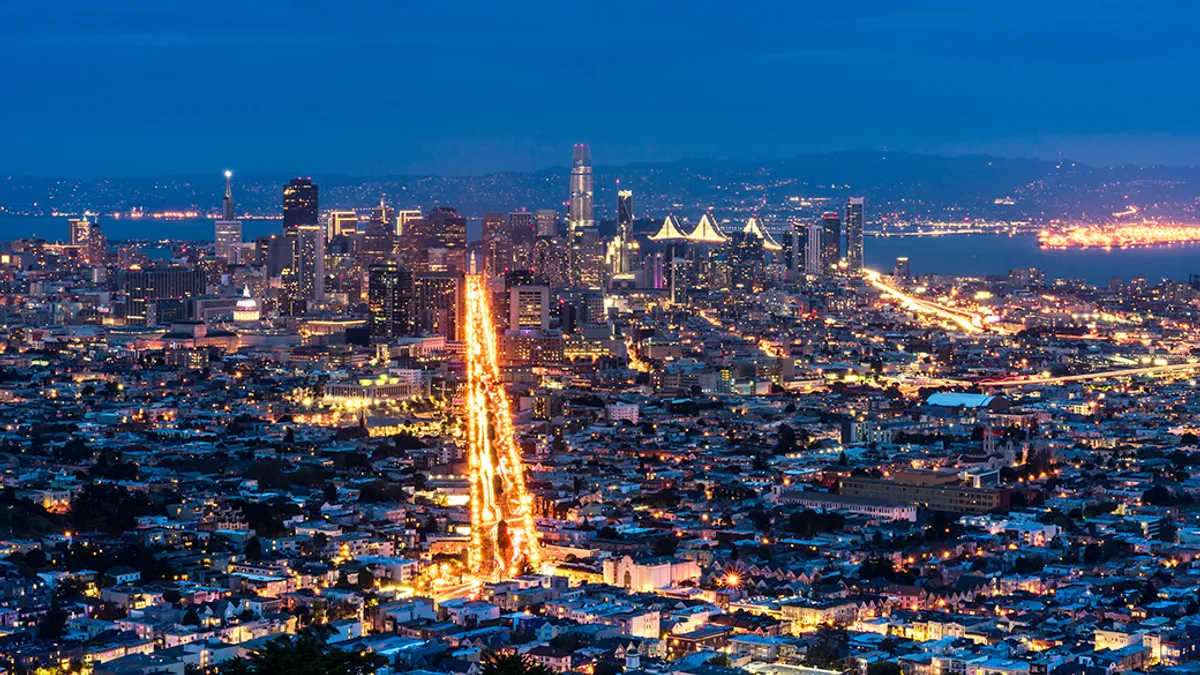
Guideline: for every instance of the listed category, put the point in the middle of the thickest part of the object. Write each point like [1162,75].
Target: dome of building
[246,310]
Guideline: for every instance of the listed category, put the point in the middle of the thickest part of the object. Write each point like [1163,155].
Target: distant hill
[897,185]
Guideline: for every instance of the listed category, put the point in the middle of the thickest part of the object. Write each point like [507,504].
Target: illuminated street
[503,536]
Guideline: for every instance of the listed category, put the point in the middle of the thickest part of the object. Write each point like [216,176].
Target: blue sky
[142,87]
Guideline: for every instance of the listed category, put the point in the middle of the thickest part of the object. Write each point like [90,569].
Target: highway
[1038,380]
[970,322]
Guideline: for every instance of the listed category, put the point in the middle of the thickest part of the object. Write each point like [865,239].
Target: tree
[309,653]
[787,440]
[884,668]
[191,617]
[366,580]
[54,624]
[512,664]
[254,550]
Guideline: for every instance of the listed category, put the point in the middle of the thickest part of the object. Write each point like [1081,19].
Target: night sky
[149,87]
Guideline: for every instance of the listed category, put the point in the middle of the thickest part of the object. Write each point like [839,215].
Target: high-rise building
[854,234]
[546,222]
[144,288]
[437,303]
[621,247]
[551,261]
[342,223]
[81,230]
[814,250]
[529,308]
[497,245]
[308,263]
[522,233]
[228,230]
[903,270]
[581,214]
[831,242]
[745,259]
[448,230]
[389,297]
[794,239]
[402,218]
[299,203]
[86,234]
[590,270]
[380,244]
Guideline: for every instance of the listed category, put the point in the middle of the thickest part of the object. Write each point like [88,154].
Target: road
[970,322]
[1037,380]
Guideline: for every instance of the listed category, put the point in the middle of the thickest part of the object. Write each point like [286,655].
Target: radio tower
[503,536]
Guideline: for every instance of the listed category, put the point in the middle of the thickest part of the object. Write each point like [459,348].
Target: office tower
[380,244]
[389,298]
[903,270]
[81,231]
[86,234]
[342,223]
[814,251]
[275,252]
[299,203]
[522,232]
[437,304]
[308,263]
[581,188]
[550,260]
[144,288]
[402,218]
[448,230]
[580,216]
[854,235]
[546,221]
[831,242]
[745,260]
[794,240]
[621,249]
[529,307]
[228,236]
[496,243]
[590,270]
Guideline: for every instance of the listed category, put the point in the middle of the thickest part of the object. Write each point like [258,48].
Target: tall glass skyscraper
[854,234]
[228,234]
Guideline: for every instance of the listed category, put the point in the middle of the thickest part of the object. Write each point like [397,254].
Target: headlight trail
[503,535]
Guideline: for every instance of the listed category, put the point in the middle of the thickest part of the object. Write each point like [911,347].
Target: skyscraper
[299,203]
[496,243]
[448,230]
[521,233]
[144,288]
[389,298]
[831,242]
[580,216]
[308,263]
[623,264]
[379,242]
[854,234]
[546,222]
[581,188]
[81,230]
[624,210]
[228,235]
[342,223]
[814,251]
[437,304]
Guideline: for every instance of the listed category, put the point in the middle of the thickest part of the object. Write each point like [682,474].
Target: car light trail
[503,535]
[970,322]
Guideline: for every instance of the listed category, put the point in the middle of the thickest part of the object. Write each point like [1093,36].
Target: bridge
[1040,380]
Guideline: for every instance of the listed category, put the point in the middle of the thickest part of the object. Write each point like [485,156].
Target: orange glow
[503,535]
[1120,236]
